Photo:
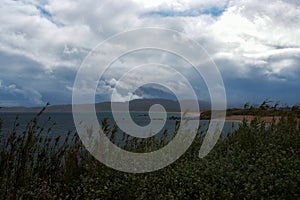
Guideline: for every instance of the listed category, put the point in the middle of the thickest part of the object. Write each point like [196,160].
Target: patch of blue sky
[213,11]
[44,12]
[284,47]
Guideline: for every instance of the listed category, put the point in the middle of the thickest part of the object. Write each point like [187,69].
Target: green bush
[258,161]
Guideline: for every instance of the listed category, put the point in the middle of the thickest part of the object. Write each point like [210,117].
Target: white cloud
[250,33]
[27,93]
[248,37]
[179,5]
[281,65]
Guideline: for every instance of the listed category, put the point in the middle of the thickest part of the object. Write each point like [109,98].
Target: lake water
[64,122]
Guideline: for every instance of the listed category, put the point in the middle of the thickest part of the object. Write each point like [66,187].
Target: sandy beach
[249,118]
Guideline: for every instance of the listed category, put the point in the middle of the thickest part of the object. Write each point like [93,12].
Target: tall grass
[34,158]
[258,160]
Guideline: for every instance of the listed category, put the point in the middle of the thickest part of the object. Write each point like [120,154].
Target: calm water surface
[64,122]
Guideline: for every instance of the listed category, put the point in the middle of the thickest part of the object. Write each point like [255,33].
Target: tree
[246,105]
[296,108]
[265,105]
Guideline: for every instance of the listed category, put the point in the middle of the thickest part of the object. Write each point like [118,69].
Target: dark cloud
[42,44]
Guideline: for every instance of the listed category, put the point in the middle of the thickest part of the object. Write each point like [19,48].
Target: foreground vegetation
[258,161]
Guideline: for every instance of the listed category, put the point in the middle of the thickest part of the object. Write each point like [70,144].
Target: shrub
[258,161]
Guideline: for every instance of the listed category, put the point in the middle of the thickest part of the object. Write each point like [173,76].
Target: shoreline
[249,118]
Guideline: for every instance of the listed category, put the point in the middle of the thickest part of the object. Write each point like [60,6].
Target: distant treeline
[266,108]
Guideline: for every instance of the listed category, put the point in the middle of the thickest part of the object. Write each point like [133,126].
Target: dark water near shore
[64,123]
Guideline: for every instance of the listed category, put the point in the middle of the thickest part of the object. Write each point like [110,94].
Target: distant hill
[134,105]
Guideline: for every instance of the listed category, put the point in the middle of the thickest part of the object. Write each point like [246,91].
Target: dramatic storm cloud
[255,44]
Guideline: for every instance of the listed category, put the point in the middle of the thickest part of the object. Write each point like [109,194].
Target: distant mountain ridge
[134,105]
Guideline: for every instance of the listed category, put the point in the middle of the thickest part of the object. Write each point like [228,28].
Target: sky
[254,43]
